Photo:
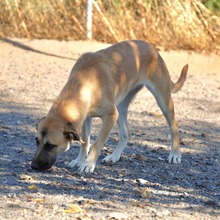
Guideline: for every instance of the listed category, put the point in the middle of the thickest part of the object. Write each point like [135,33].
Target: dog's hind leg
[122,126]
[165,102]
[85,146]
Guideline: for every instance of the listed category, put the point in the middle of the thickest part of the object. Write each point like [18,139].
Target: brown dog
[103,84]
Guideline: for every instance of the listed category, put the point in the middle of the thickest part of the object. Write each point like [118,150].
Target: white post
[89,19]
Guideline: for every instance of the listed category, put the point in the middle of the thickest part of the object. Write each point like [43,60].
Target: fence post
[89,19]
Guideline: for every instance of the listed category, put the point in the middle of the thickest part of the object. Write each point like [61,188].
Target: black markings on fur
[44,133]
[48,146]
[37,141]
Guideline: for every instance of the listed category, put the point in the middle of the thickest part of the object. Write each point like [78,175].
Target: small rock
[165,212]
[141,182]
[81,202]
[25,177]
[186,194]
[209,163]
[204,135]
[12,196]
[160,158]
[212,203]
[19,122]
[117,215]
[144,192]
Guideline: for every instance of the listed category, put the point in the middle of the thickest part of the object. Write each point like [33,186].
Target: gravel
[142,185]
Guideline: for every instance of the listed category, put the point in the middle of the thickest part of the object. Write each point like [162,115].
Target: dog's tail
[175,87]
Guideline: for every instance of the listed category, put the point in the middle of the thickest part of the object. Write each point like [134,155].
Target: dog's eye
[37,141]
[49,146]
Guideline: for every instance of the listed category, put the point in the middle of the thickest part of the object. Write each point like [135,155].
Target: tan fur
[102,84]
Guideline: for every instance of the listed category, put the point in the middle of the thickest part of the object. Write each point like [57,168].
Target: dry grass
[171,24]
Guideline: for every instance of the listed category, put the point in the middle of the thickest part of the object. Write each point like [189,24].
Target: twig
[203,20]
[21,19]
[105,20]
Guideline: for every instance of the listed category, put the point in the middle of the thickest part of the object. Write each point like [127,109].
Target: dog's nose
[40,165]
[34,166]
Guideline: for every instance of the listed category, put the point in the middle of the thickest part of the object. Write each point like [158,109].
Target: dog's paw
[77,162]
[112,158]
[174,157]
[74,163]
[87,166]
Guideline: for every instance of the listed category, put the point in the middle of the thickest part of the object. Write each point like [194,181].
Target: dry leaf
[39,200]
[123,173]
[74,208]
[25,177]
[155,114]
[144,192]
[193,140]
[33,187]
[185,143]
[141,205]
[140,157]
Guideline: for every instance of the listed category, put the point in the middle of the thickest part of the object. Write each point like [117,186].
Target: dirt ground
[142,185]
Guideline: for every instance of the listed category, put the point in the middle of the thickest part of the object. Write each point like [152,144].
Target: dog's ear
[40,121]
[71,134]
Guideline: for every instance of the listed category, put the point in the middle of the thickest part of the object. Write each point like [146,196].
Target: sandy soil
[142,185]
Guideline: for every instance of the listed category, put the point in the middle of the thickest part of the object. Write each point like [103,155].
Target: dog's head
[53,137]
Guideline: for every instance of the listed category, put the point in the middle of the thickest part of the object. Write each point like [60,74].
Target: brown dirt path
[142,185]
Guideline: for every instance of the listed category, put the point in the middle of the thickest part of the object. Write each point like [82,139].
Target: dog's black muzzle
[44,162]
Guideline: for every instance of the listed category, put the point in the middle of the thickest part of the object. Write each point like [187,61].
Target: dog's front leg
[85,146]
[108,122]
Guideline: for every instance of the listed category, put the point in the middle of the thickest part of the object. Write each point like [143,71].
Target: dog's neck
[72,105]
[69,112]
